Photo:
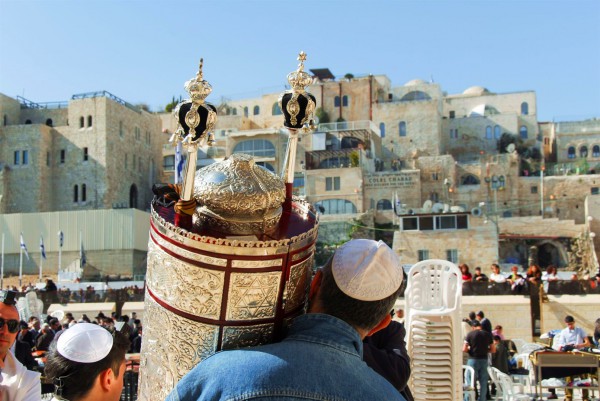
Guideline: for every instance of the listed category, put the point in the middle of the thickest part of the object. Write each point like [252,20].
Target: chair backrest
[493,372]
[519,343]
[468,377]
[434,284]
[528,348]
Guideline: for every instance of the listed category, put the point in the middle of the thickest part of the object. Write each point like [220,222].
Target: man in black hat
[17,383]
[478,343]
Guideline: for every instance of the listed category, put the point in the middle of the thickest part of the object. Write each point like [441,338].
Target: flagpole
[20,264]
[59,251]
[41,258]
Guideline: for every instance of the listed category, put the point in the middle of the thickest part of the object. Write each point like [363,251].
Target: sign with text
[397,179]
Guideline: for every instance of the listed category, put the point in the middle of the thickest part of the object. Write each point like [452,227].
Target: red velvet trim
[183,220]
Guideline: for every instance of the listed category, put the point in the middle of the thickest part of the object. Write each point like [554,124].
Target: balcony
[325,159]
[366,126]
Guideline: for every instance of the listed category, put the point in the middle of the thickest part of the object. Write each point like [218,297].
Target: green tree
[169,107]
[322,115]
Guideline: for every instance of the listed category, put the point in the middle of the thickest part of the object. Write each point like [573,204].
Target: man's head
[479,315]
[514,269]
[359,284]
[54,324]
[478,270]
[85,360]
[570,321]
[495,268]
[9,322]
[476,325]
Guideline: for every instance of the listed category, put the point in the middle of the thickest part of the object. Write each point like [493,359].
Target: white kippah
[85,343]
[366,270]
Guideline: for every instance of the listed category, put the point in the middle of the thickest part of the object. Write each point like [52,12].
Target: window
[423,254]
[256,148]
[49,122]
[133,196]
[435,176]
[453,133]
[85,154]
[137,133]
[595,190]
[434,197]
[402,128]
[488,132]
[266,165]
[121,129]
[410,223]
[256,110]
[81,122]
[546,141]
[332,183]
[452,255]
[451,114]
[523,132]
[336,101]
[89,121]
[47,159]
[571,152]
[27,122]
[534,189]
[234,111]
[596,151]
[583,151]
[126,163]
[384,204]
[470,179]
[524,108]
[83,193]
[426,223]
[276,110]
[496,132]
[335,206]
[76,193]
[5,120]
[17,158]
[246,111]
[345,101]
[25,158]
[382,129]
[62,156]
[169,163]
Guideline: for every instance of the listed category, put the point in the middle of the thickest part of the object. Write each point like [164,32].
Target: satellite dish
[510,148]
[456,209]
[427,206]
[437,208]
[446,208]
[476,212]
[59,314]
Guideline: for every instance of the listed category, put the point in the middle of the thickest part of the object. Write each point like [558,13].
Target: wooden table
[549,364]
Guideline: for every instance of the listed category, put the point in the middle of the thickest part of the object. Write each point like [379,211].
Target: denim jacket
[320,359]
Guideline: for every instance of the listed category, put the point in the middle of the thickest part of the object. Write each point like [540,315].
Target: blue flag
[42,248]
[24,247]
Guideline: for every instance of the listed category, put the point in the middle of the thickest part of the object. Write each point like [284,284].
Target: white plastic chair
[468,383]
[519,343]
[524,362]
[509,392]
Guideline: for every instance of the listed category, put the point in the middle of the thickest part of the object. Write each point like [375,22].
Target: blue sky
[143,51]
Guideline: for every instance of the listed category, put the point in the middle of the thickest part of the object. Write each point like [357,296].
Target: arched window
[266,165]
[89,121]
[49,122]
[27,121]
[345,101]
[133,196]
[571,152]
[523,132]
[81,122]
[234,111]
[276,110]
[336,101]
[415,95]
[256,148]
[256,110]
[384,204]
[335,206]
[596,151]
[488,132]
[246,111]
[524,108]
[470,179]
[83,193]
[382,129]
[583,151]
[497,132]
[76,193]
[402,128]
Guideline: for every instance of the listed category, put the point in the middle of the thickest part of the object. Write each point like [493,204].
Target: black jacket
[23,355]
[385,353]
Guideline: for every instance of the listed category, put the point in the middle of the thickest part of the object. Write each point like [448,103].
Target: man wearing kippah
[87,363]
[17,383]
[321,356]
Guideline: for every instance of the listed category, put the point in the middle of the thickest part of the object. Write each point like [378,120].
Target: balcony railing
[324,159]
[350,126]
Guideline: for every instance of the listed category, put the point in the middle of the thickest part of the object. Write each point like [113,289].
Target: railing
[108,95]
[28,104]
[349,126]
[325,159]
[558,287]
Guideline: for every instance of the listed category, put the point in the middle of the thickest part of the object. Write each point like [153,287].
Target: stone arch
[552,252]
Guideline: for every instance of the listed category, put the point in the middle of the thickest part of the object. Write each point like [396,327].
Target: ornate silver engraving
[170,279]
[167,355]
[256,263]
[297,285]
[187,254]
[253,295]
[248,336]
[303,254]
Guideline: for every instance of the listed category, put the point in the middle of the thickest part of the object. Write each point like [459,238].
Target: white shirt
[568,336]
[18,383]
[498,278]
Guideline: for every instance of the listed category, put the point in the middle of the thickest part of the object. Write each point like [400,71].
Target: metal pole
[2,266]
[542,191]
[20,265]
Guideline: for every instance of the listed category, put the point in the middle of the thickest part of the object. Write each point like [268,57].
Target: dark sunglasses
[12,325]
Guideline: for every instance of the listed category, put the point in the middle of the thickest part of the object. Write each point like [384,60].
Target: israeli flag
[179,159]
[24,247]
[42,248]
[60,239]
